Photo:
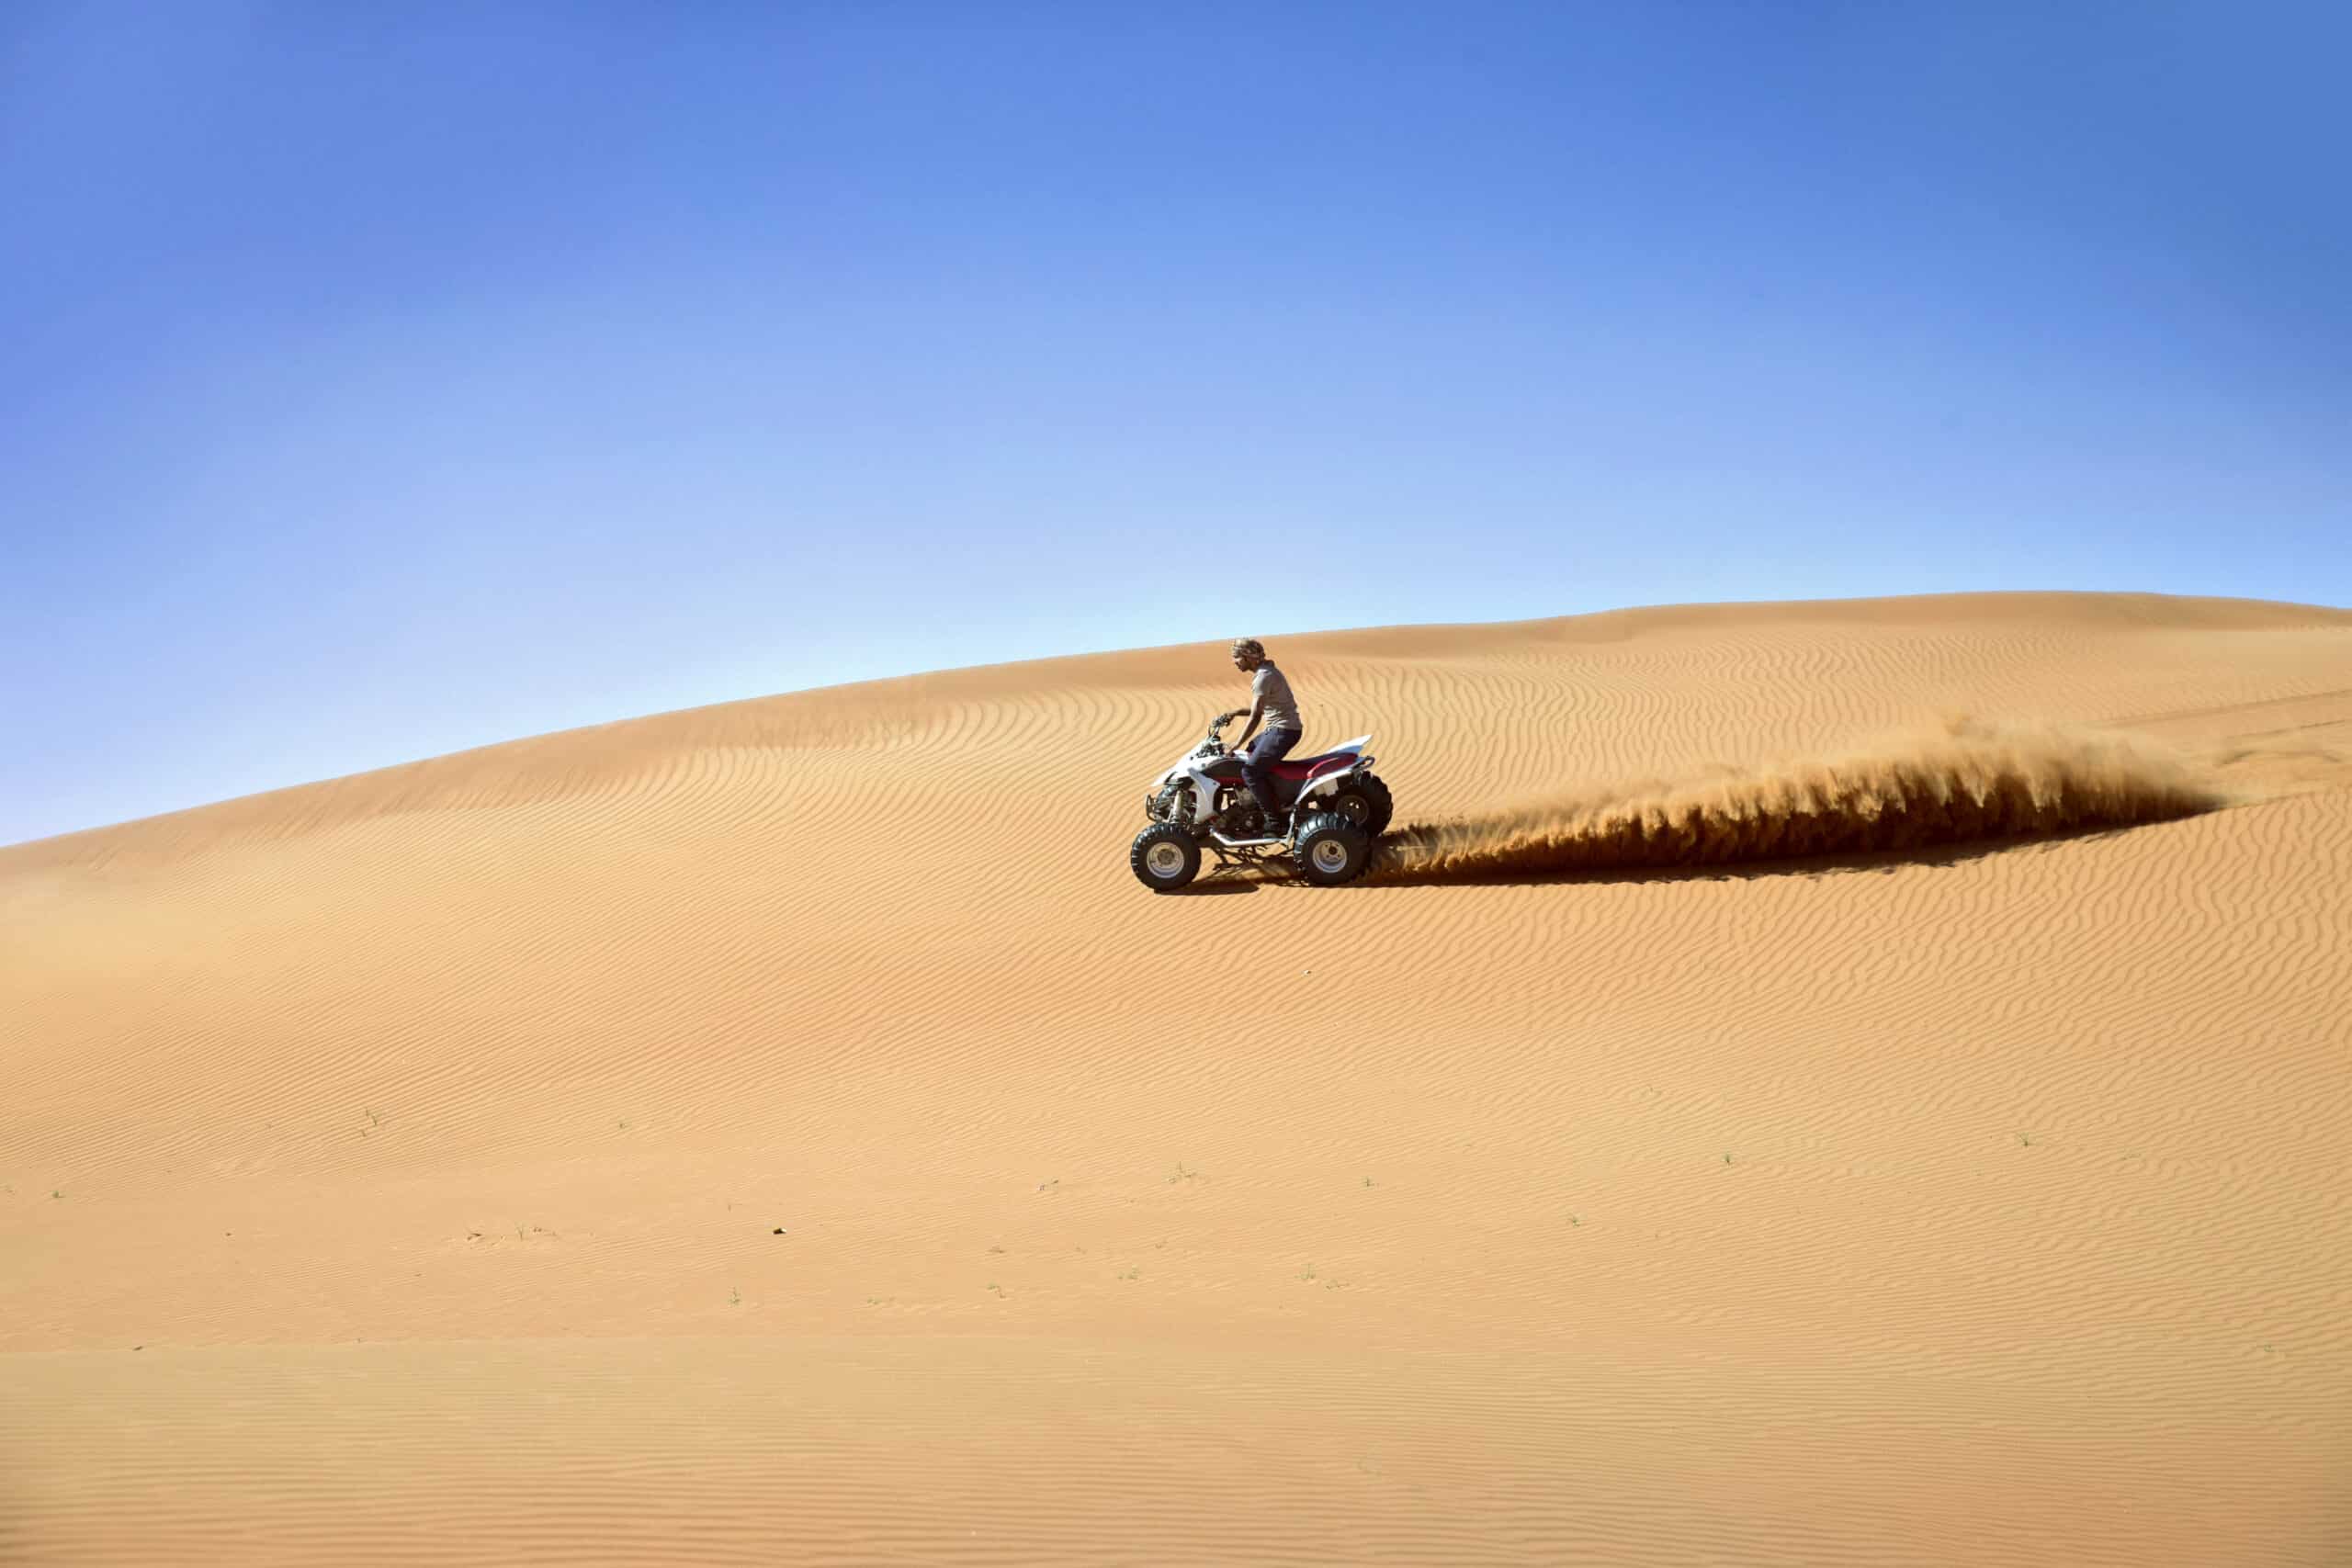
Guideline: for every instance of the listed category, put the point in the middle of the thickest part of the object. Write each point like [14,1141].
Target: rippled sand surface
[787,1131]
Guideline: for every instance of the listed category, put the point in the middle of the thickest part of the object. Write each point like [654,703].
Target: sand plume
[1964,782]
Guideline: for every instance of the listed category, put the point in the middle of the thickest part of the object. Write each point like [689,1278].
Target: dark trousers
[1269,747]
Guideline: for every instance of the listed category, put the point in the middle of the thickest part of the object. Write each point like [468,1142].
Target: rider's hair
[1250,646]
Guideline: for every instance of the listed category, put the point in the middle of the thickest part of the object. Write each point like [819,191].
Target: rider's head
[1247,653]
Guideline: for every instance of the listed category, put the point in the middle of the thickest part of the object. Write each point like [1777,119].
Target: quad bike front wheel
[1165,857]
[1330,850]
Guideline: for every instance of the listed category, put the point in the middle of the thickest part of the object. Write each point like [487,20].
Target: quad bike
[1333,806]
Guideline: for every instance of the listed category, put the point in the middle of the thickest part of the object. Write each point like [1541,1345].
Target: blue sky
[380,381]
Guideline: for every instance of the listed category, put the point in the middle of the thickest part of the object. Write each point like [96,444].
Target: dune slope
[785,1131]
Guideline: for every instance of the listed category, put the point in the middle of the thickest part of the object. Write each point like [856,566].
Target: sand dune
[392,1169]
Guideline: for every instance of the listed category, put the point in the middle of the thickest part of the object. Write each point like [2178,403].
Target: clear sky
[377,381]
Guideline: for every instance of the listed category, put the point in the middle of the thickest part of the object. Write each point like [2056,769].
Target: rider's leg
[1266,750]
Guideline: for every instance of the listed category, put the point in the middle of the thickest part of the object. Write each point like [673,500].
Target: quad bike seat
[1290,770]
[1298,770]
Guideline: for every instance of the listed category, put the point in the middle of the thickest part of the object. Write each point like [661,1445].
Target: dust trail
[1965,782]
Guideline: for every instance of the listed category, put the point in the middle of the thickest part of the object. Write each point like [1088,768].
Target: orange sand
[391,1166]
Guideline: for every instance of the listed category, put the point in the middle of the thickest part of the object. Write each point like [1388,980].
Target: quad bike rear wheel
[1365,801]
[1165,857]
[1330,850]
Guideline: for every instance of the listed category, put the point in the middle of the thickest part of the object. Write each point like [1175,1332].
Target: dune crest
[1967,781]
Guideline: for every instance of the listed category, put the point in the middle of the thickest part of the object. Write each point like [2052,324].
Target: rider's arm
[1256,709]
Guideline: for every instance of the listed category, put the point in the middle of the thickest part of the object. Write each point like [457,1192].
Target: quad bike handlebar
[1214,739]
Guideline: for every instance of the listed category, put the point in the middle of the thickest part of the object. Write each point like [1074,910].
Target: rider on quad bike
[1271,700]
[1247,804]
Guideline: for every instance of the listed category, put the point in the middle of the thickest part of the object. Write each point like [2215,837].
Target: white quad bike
[1333,807]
